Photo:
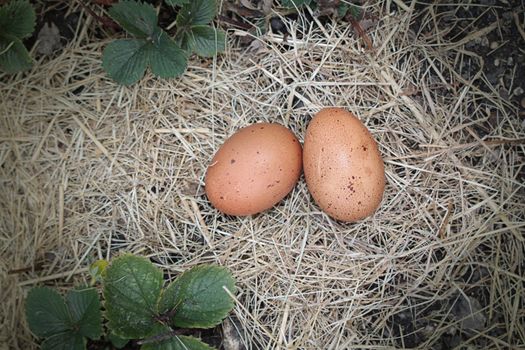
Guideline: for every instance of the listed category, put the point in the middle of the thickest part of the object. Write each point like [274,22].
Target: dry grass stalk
[89,169]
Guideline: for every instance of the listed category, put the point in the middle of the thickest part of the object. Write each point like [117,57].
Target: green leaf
[64,341]
[196,12]
[46,312]
[295,3]
[183,40]
[342,9]
[84,307]
[355,11]
[117,341]
[137,18]
[205,40]
[14,57]
[132,288]
[176,2]
[180,342]
[17,18]
[166,59]
[97,270]
[126,60]
[197,298]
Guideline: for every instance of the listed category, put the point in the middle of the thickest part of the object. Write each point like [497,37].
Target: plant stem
[105,21]
[165,317]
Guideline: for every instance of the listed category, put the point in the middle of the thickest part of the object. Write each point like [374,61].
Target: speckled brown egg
[343,168]
[254,169]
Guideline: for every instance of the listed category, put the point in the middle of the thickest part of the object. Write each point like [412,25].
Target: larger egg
[343,168]
[254,169]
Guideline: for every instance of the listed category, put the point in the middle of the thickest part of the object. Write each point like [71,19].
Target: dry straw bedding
[90,169]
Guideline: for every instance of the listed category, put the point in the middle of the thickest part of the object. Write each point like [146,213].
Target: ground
[90,169]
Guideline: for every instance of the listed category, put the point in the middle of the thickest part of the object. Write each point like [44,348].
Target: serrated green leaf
[14,57]
[46,312]
[137,18]
[342,9]
[166,59]
[183,40]
[132,288]
[64,341]
[196,12]
[180,342]
[126,60]
[295,3]
[176,2]
[117,341]
[355,11]
[261,27]
[197,298]
[17,18]
[205,40]
[84,307]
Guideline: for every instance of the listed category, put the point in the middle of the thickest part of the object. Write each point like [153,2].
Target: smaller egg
[343,168]
[254,169]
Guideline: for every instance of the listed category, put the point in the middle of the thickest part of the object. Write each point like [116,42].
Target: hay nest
[90,169]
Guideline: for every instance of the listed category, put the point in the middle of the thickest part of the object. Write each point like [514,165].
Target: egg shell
[343,168]
[254,169]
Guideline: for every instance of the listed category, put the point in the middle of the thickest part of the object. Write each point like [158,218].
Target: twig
[38,266]
[441,232]
[234,22]
[361,32]
[105,21]
[517,22]
[241,10]
[51,277]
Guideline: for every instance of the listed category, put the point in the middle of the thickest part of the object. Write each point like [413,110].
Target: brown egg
[254,169]
[343,168]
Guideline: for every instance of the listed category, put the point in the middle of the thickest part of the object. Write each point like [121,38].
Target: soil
[502,49]
[502,52]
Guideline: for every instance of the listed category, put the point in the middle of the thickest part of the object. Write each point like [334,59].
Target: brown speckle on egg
[254,169]
[338,147]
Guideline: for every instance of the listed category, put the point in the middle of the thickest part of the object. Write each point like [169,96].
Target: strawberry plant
[17,21]
[126,60]
[65,324]
[137,307]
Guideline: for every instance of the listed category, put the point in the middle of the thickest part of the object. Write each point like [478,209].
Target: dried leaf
[231,339]
[468,311]
[361,32]
[48,39]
